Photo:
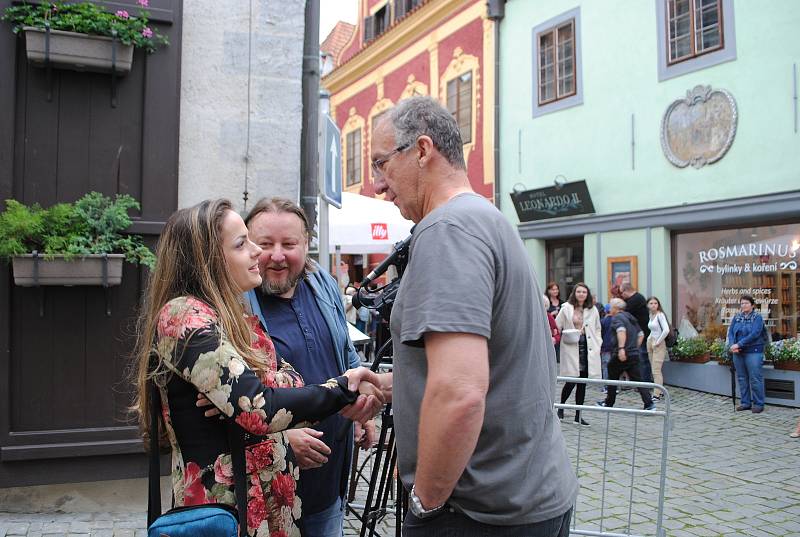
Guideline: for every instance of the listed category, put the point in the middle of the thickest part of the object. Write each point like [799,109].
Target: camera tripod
[382,481]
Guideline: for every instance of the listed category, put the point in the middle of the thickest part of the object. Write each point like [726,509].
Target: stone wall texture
[226,46]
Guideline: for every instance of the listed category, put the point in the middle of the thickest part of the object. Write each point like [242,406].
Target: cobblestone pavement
[728,474]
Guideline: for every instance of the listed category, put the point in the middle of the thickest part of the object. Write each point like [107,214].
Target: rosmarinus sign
[553,202]
[713,269]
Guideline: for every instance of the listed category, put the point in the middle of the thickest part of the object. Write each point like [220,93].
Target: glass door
[565,264]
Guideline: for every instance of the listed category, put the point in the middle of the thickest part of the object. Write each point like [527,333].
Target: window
[459,103]
[693,35]
[565,264]
[557,63]
[376,24]
[353,158]
[713,269]
[402,7]
[375,119]
[695,28]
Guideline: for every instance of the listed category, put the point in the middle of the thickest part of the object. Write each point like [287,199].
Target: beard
[271,288]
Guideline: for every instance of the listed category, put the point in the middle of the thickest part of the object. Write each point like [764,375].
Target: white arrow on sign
[333,165]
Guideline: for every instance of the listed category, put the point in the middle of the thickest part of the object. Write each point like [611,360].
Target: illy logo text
[380,232]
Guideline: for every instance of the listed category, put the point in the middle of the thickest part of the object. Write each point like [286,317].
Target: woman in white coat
[581,338]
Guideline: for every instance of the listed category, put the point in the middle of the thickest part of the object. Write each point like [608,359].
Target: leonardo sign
[553,202]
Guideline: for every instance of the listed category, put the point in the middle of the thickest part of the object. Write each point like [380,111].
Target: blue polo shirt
[302,338]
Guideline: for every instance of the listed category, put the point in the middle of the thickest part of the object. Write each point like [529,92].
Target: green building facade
[682,119]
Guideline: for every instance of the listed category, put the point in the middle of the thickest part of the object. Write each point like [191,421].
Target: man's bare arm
[452,412]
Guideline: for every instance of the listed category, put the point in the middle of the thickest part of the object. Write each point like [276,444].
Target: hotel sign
[552,202]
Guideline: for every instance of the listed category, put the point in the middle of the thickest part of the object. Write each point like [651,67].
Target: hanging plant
[90,19]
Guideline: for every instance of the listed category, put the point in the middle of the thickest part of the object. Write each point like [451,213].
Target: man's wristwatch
[415,504]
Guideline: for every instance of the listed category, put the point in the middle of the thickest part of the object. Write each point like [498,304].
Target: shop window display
[712,269]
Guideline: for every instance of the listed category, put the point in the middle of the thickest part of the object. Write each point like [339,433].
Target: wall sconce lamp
[517,188]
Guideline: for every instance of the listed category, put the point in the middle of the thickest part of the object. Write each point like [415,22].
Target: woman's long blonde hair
[190,262]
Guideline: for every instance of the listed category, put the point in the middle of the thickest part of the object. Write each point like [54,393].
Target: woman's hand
[203,402]
[370,398]
[735,348]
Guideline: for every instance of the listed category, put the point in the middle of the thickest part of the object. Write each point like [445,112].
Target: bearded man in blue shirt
[301,308]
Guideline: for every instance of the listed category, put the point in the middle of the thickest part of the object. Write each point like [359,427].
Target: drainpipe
[309,158]
[496,12]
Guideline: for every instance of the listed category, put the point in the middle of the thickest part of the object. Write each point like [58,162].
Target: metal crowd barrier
[662,412]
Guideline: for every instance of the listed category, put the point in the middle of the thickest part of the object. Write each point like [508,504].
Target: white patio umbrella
[366,225]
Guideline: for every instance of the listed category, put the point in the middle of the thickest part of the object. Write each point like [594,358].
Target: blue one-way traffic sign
[332,158]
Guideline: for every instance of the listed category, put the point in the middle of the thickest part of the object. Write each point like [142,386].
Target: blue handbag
[209,520]
[196,521]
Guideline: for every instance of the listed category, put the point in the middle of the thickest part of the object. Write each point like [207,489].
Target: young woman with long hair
[195,340]
[580,345]
[656,341]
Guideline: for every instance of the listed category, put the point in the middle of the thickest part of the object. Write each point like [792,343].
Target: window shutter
[369,29]
[387,18]
[399,9]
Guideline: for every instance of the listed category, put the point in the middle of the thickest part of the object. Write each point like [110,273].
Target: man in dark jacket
[636,305]
[627,340]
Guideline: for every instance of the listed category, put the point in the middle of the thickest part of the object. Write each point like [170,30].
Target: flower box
[701,359]
[87,270]
[788,365]
[77,52]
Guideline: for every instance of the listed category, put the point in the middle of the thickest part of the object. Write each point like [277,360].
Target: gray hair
[419,116]
[617,304]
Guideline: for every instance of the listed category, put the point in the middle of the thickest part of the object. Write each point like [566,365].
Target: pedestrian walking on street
[553,295]
[581,340]
[636,305]
[553,305]
[747,337]
[608,343]
[656,341]
[195,340]
[627,337]
[474,371]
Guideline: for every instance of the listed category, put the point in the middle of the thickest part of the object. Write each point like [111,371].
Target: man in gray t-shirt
[474,369]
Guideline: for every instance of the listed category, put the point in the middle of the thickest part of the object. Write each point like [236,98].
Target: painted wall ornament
[700,128]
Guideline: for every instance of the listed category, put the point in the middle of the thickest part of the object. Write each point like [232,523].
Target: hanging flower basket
[77,52]
[33,270]
[83,36]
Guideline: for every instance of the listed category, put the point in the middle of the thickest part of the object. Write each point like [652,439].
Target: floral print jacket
[199,358]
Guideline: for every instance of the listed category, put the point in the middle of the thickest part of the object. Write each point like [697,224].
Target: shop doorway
[565,263]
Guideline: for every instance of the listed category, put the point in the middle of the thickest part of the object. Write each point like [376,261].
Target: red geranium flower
[283,486]
[252,423]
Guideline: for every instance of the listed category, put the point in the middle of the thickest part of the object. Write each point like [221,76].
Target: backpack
[672,337]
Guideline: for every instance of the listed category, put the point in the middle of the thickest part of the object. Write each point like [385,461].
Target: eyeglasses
[379,163]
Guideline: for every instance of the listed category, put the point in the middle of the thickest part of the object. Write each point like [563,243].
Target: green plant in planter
[88,18]
[92,225]
[785,350]
[689,347]
[718,350]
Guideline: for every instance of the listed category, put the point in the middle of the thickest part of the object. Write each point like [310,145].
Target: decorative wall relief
[699,129]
